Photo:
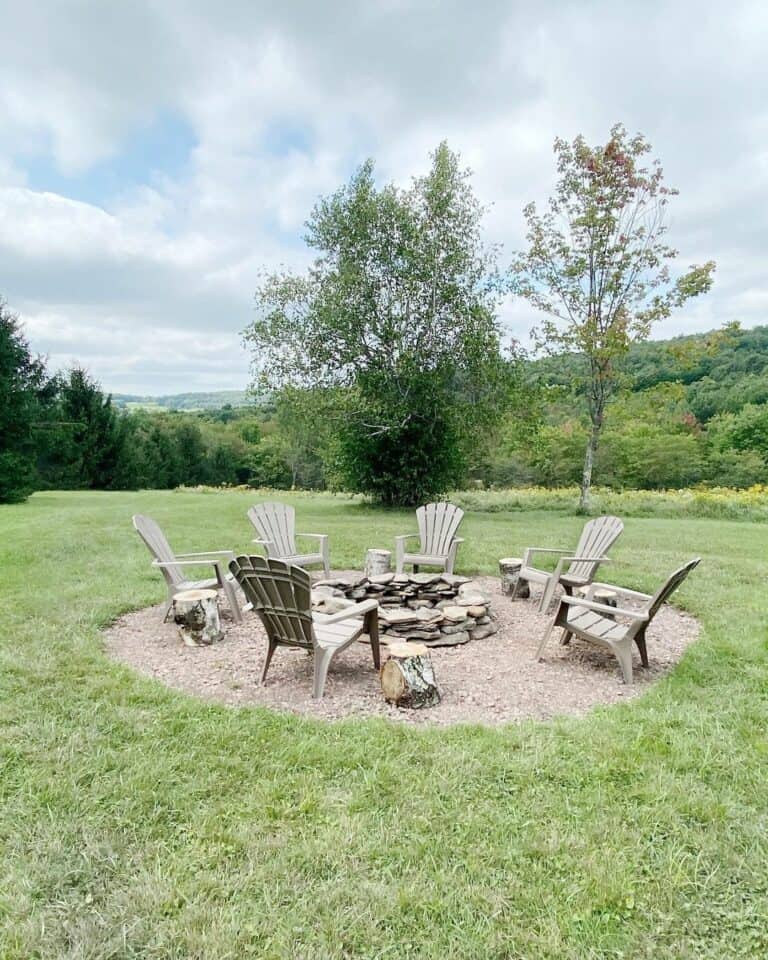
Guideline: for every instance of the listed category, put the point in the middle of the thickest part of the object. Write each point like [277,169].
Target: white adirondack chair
[275,524]
[596,623]
[438,543]
[172,565]
[576,568]
[281,596]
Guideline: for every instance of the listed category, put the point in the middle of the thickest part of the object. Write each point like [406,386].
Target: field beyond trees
[136,822]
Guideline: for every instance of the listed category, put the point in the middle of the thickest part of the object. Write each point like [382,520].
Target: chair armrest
[531,550]
[605,608]
[348,613]
[624,591]
[585,560]
[458,540]
[408,536]
[314,536]
[207,553]
[185,563]
[263,543]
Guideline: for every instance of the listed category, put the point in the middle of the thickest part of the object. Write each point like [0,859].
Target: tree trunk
[589,462]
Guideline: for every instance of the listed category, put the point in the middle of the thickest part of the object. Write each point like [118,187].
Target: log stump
[377,562]
[408,677]
[509,569]
[196,613]
[602,595]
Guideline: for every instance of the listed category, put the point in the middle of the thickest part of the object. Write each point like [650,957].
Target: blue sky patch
[160,149]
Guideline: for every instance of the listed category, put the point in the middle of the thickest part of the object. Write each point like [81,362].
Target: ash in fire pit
[439,610]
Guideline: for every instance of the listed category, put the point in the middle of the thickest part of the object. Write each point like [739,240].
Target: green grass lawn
[138,822]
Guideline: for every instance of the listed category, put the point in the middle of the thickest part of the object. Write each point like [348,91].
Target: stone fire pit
[436,609]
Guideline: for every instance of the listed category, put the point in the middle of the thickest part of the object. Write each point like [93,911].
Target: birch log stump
[196,613]
[377,562]
[509,568]
[408,678]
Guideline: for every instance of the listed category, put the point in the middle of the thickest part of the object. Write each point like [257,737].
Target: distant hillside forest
[694,412]
[182,401]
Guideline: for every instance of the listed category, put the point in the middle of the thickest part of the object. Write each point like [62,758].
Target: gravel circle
[491,681]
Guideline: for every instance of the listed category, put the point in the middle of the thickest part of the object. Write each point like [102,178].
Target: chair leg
[322,662]
[566,638]
[640,641]
[546,597]
[372,629]
[268,659]
[624,656]
[545,638]
[326,561]
[231,594]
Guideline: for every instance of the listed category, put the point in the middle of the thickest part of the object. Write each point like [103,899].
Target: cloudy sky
[156,155]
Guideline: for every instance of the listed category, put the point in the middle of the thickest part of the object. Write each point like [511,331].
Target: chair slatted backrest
[276,522]
[158,546]
[281,596]
[667,589]
[596,539]
[438,523]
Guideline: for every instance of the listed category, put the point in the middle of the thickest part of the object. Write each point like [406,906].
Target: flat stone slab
[477,611]
[449,639]
[471,600]
[381,579]
[428,614]
[416,634]
[455,614]
[453,579]
[397,615]
[449,628]
[424,579]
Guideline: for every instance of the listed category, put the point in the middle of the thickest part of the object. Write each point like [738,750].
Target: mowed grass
[138,822]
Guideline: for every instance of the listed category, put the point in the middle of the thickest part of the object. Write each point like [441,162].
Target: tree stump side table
[509,569]
[408,677]
[196,614]
[377,562]
[602,595]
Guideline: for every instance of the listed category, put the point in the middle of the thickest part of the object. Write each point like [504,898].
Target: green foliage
[396,319]
[416,458]
[23,388]
[597,265]
[269,465]
[84,439]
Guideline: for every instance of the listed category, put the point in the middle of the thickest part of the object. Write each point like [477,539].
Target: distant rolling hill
[182,401]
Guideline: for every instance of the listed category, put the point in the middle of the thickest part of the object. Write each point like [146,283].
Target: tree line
[389,368]
[59,430]
[694,411]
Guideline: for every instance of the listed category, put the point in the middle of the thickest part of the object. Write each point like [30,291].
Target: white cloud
[152,286]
